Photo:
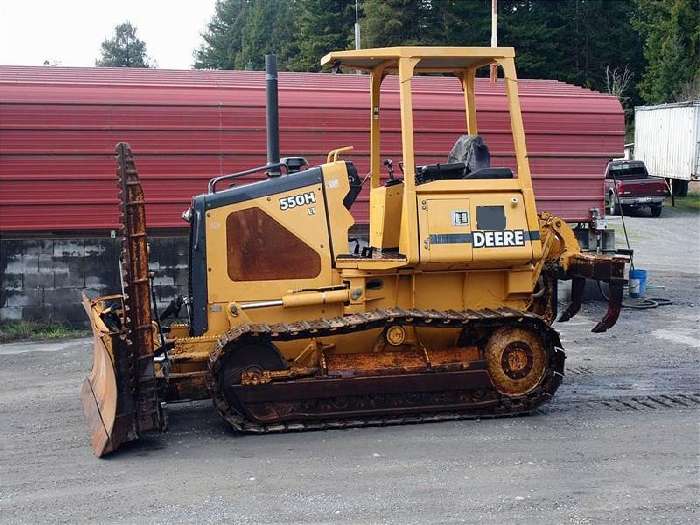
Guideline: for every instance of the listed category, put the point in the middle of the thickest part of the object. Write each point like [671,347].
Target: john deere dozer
[446,313]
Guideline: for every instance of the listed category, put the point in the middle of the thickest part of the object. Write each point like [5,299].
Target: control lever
[390,168]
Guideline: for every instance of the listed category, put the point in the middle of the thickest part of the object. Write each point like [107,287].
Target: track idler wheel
[516,359]
[247,360]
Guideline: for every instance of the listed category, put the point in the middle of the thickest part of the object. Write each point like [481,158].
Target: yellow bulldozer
[445,313]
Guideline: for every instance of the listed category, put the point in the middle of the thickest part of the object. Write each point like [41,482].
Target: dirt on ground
[618,444]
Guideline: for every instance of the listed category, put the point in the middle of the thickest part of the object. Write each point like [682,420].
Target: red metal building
[58,128]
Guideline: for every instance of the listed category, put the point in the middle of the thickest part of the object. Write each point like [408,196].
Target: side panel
[486,230]
[336,187]
[666,138]
[298,215]
[448,230]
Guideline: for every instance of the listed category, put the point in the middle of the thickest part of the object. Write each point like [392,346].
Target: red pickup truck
[628,184]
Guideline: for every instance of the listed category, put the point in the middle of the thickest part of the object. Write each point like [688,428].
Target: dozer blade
[120,397]
[106,405]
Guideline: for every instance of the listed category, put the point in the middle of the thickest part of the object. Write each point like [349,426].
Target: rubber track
[499,405]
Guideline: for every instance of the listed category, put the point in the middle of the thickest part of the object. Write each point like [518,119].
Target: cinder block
[94,281]
[11,313]
[163,280]
[93,292]
[30,263]
[63,296]
[168,252]
[37,247]
[92,248]
[16,266]
[37,313]
[24,298]
[166,292]
[46,263]
[101,261]
[38,280]
[181,277]
[76,273]
[12,281]
[66,248]
[72,314]
[11,248]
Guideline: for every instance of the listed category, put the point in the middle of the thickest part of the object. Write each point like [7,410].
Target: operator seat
[469,158]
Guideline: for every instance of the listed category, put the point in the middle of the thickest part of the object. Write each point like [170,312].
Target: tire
[656,210]
[611,206]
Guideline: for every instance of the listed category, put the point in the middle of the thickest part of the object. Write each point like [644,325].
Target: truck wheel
[656,210]
[613,208]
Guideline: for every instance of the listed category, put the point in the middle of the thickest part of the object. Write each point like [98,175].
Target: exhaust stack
[272,114]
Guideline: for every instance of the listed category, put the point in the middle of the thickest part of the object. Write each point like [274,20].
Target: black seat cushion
[454,170]
[490,173]
[469,159]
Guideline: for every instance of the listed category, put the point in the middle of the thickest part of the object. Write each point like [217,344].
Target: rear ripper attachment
[119,396]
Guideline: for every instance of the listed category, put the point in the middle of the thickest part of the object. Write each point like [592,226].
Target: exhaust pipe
[272,114]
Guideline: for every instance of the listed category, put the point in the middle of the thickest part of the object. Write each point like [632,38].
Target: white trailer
[667,139]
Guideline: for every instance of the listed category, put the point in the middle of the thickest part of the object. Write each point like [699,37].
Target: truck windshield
[627,171]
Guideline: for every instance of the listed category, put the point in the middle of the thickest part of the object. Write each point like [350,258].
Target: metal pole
[272,114]
[357,25]
[494,36]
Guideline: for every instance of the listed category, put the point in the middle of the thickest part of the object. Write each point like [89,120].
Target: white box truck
[667,139]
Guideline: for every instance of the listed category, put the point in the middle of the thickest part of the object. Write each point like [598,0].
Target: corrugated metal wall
[667,139]
[58,128]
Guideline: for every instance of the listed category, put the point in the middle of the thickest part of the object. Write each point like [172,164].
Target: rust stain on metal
[120,396]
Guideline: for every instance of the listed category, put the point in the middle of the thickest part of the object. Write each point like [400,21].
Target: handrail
[213,182]
[334,154]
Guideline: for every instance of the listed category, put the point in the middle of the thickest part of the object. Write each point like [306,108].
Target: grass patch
[689,202]
[33,331]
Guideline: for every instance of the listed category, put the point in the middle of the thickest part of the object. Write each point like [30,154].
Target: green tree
[241,32]
[670,30]
[124,49]
[324,26]
[223,39]
[460,22]
[395,22]
[269,28]
[571,40]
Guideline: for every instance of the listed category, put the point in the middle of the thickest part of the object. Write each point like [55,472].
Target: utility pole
[494,36]
[357,25]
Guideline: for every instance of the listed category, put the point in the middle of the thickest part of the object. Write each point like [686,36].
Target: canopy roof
[431,58]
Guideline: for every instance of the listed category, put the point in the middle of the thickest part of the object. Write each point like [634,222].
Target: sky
[69,32]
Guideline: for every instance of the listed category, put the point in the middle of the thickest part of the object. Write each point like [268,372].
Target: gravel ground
[619,443]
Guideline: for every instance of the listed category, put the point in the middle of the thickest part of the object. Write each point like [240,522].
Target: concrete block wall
[43,279]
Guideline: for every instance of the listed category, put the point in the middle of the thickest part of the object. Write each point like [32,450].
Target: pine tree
[243,31]
[124,49]
[324,26]
[223,39]
[269,28]
[460,22]
[395,22]
[670,30]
